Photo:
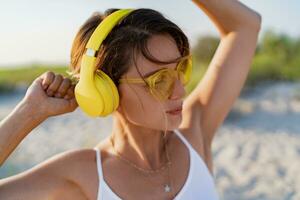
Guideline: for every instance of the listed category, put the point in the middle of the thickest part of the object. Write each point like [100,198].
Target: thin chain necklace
[167,187]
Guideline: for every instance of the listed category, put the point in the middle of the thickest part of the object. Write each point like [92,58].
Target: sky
[42,31]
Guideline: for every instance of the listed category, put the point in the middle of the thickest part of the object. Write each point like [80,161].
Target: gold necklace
[167,187]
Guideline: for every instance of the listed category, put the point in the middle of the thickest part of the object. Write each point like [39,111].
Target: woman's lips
[175,112]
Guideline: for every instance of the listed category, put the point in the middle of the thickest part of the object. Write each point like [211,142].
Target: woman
[160,145]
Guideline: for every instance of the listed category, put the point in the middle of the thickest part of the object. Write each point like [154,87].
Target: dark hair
[130,35]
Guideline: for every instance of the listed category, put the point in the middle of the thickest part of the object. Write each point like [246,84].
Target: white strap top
[199,183]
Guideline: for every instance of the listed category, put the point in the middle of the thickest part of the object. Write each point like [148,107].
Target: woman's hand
[51,94]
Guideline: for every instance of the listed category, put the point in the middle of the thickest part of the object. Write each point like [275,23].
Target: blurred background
[257,149]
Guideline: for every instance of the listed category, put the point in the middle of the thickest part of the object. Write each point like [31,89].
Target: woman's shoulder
[78,167]
[70,157]
[62,176]
[65,164]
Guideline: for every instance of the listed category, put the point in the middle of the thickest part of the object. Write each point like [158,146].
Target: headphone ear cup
[95,93]
[108,91]
[114,89]
[86,93]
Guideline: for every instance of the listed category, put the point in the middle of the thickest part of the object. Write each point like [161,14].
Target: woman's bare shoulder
[71,162]
[78,168]
[57,176]
[70,157]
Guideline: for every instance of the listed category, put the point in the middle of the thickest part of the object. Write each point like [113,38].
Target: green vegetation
[11,78]
[277,58]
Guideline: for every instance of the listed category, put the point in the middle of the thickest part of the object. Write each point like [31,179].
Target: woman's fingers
[53,87]
[48,78]
[70,92]
[63,88]
[58,86]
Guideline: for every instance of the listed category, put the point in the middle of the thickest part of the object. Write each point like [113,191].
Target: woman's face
[137,103]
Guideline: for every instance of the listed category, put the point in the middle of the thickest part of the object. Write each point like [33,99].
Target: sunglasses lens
[185,69]
[163,82]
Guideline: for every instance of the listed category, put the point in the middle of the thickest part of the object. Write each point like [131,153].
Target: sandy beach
[256,151]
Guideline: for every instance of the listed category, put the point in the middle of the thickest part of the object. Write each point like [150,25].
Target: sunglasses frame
[150,80]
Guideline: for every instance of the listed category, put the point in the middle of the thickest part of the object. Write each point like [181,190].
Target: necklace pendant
[167,188]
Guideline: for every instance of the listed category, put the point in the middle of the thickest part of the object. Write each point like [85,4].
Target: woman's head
[142,42]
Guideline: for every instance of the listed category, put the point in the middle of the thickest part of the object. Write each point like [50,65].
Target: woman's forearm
[17,125]
[230,15]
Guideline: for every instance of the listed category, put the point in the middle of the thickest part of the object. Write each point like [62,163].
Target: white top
[199,183]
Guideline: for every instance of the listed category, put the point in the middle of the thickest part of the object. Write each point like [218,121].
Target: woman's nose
[178,90]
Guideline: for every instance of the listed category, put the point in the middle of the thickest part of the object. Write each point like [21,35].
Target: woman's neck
[142,146]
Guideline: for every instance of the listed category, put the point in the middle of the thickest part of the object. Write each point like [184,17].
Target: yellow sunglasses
[161,83]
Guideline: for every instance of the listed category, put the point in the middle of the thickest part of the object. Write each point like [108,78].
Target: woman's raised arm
[215,94]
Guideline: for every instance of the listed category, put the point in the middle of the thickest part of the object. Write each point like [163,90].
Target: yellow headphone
[95,93]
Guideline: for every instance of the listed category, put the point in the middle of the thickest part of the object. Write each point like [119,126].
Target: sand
[255,152]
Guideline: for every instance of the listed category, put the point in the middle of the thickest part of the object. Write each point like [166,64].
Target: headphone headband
[103,29]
